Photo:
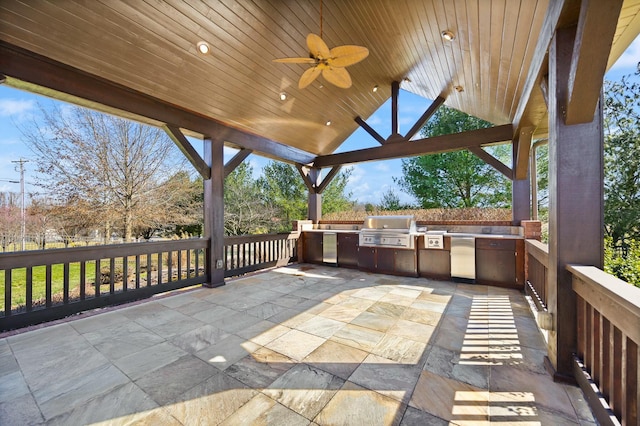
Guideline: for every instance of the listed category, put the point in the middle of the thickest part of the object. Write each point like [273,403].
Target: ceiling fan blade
[308,76]
[337,76]
[343,56]
[317,47]
[296,60]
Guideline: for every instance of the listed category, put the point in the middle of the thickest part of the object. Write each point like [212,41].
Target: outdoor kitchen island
[388,248]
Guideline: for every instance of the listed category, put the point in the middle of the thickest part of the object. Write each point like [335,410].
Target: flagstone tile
[21,410]
[449,364]
[374,321]
[387,377]
[340,313]
[211,401]
[358,337]
[358,406]
[412,330]
[304,389]
[401,350]
[262,410]
[336,358]
[321,326]
[397,299]
[227,351]
[140,363]
[296,344]
[451,400]
[414,417]
[388,309]
[12,386]
[257,374]
[422,316]
[237,321]
[265,310]
[166,385]
[214,315]
[357,303]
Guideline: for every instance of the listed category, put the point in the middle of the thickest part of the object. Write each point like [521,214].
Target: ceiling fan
[330,63]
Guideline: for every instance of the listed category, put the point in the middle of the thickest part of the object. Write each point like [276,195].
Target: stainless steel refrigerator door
[463,257]
[330,247]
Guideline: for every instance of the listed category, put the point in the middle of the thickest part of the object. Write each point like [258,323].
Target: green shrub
[623,262]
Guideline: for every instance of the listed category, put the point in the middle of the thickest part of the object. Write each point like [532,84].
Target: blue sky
[368,180]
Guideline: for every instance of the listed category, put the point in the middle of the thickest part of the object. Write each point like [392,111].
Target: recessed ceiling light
[459,88]
[448,35]
[203,47]
[283,96]
[375,88]
[328,123]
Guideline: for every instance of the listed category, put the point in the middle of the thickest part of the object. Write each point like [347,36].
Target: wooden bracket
[236,161]
[492,161]
[187,149]
[311,177]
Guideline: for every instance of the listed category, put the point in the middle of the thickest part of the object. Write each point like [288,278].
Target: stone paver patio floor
[293,346]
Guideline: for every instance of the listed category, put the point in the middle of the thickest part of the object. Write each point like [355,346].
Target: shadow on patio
[296,345]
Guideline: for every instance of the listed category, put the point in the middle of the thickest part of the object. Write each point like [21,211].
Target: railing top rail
[240,239]
[539,250]
[614,298]
[79,254]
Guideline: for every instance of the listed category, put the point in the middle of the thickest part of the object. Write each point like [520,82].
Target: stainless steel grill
[389,231]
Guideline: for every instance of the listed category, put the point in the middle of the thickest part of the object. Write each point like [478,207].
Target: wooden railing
[608,334]
[45,285]
[248,253]
[537,266]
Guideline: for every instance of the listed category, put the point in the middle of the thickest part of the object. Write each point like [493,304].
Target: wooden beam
[187,149]
[98,93]
[305,173]
[395,91]
[420,147]
[236,161]
[594,36]
[522,145]
[370,130]
[530,111]
[425,117]
[492,161]
[327,179]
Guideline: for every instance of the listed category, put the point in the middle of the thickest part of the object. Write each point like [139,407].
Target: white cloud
[382,167]
[629,59]
[10,107]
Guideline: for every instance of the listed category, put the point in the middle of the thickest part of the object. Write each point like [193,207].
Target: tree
[454,179]
[622,159]
[246,211]
[110,165]
[390,201]
[10,219]
[284,189]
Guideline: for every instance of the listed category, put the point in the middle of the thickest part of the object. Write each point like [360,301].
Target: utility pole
[22,208]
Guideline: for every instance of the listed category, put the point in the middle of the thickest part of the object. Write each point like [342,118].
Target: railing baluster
[65,283]
[189,263]
[112,272]
[159,268]
[169,266]
[29,288]
[616,397]
[125,273]
[607,348]
[630,390]
[148,269]
[48,286]
[7,292]
[197,266]
[596,348]
[179,264]
[137,271]
[587,357]
[98,279]
[83,280]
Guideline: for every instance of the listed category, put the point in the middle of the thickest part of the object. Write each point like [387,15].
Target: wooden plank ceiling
[150,46]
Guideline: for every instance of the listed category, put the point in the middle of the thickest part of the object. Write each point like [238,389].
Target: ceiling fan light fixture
[203,47]
[448,35]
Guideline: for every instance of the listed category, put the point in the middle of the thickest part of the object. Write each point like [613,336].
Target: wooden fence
[45,285]
[537,266]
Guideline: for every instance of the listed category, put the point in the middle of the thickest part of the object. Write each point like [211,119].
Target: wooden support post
[520,195]
[395,91]
[576,218]
[214,211]
[315,197]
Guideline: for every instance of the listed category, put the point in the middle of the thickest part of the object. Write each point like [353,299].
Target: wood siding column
[520,195]
[576,217]
[214,211]
[315,197]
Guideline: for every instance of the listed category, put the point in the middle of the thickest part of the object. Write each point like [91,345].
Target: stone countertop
[448,234]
